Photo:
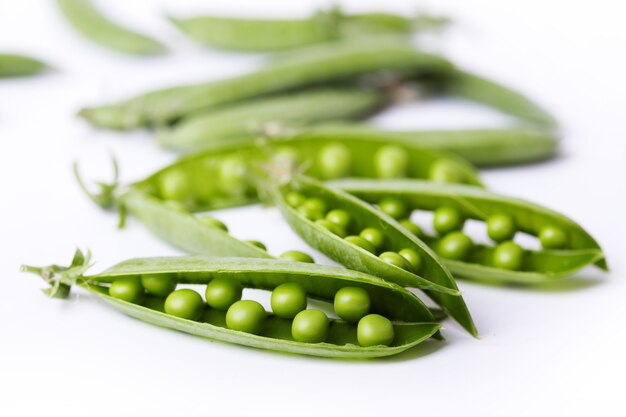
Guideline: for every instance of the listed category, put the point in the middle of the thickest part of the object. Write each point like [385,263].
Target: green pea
[445,171]
[332,227]
[447,219]
[232,173]
[213,222]
[295,199]
[310,326]
[413,258]
[552,237]
[395,259]
[221,293]
[246,316]
[339,217]
[352,303]
[288,299]
[508,255]
[455,246]
[334,161]
[297,256]
[159,284]
[373,236]
[127,289]
[391,161]
[313,208]
[500,227]
[393,207]
[411,227]
[258,244]
[374,330]
[174,185]
[361,243]
[184,303]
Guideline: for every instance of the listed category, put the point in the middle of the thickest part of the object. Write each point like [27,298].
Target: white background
[555,350]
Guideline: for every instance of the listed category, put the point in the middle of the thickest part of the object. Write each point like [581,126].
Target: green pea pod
[412,321]
[87,20]
[310,66]
[434,278]
[475,203]
[197,130]
[14,65]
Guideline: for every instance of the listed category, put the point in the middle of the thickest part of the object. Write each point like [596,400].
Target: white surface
[551,351]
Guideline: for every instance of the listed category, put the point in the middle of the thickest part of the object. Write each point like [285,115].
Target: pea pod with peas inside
[567,247]
[395,319]
[362,238]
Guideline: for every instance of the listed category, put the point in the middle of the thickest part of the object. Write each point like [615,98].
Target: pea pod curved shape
[16,65]
[475,203]
[90,22]
[404,309]
[434,278]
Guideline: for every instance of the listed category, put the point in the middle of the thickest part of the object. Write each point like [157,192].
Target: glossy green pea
[395,259]
[455,246]
[393,207]
[310,213]
[552,237]
[447,219]
[159,284]
[184,303]
[246,316]
[411,227]
[352,303]
[258,244]
[232,172]
[373,236]
[316,204]
[332,227]
[361,243]
[375,329]
[391,161]
[334,161]
[288,299]
[295,199]
[413,258]
[508,255]
[310,326]
[339,217]
[127,289]
[500,227]
[445,171]
[213,222]
[175,185]
[297,256]
[221,293]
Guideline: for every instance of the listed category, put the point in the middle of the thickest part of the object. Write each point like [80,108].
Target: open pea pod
[579,248]
[411,320]
[433,277]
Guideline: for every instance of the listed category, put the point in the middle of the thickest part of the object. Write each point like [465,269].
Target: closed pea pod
[16,65]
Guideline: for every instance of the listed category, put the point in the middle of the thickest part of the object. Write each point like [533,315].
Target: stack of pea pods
[291,134]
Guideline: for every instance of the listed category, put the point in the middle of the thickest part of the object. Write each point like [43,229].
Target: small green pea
[411,227]
[445,171]
[288,299]
[391,161]
[373,236]
[413,258]
[334,161]
[297,256]
[374,330]
[232,172]
[339,217]
[184,303]
[310,326]
[500,227]
[213,222]
[393,207]
[455,246]
[246,316]
[352,303]
[295,199]
[258,244]
[332,227]
[174,184]
[361,243]
[222,292]
[508,255]
[395,259]
[552,237]
[127,289]
[447,219]
[313,208]
[159,284]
